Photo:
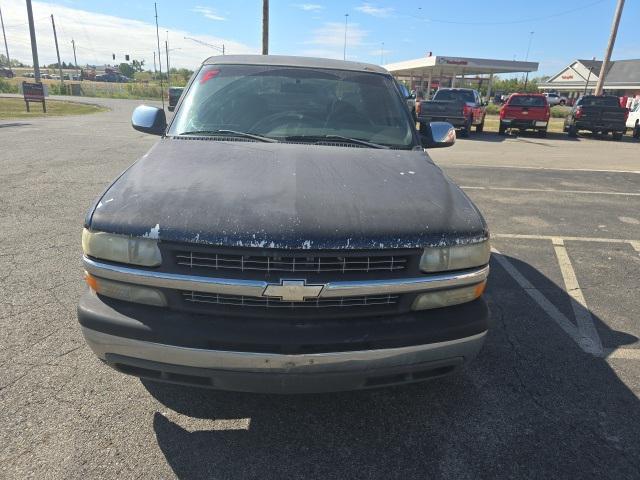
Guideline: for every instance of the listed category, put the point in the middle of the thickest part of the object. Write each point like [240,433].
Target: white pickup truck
[633,120]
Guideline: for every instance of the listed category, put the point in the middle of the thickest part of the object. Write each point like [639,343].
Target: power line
[523,20]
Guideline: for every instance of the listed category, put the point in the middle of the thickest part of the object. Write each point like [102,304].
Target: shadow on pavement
[532,405]
[14,124]
[484,137]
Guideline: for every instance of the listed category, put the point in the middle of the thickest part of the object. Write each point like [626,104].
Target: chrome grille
[267,302]
[284,263]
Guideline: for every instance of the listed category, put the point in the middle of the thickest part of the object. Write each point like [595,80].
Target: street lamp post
[526,58]
[215,47]
[346,23]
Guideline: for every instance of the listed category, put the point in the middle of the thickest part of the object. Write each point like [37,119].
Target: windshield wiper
[231,133]
[324,138]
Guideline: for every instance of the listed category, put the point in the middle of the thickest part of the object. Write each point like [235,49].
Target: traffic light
[126,57]
[113,55]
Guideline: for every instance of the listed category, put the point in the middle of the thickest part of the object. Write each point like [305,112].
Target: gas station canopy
[448,66]
[435,67]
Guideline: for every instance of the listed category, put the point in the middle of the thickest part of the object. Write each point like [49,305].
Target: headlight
[446,298]
[455,257]
[126,291]
[121,248]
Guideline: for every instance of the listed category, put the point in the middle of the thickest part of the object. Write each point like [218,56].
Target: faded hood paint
[271,195]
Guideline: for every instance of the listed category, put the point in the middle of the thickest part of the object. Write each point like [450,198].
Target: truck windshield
[527,101]
[457,95]
[599,102]
[295,103]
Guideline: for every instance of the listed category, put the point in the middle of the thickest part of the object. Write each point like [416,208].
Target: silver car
[556,99]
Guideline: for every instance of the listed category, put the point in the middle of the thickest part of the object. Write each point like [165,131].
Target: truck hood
[278,195]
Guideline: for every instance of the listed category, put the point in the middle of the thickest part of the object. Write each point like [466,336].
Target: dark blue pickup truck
[601,114]
[287,233]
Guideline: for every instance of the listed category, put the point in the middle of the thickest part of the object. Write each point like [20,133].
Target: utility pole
[612,41]
[346,22]
[155,70]
[155,6]
[166,47]
[265,27]
[34,45]
[55,37]
[6,47]
[75,60]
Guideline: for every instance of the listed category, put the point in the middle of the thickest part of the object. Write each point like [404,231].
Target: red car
[525,111]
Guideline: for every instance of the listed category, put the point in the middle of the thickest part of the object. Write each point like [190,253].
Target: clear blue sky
[486,28]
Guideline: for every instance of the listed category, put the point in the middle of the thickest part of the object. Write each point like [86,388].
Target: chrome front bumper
[277,373]
[256,288]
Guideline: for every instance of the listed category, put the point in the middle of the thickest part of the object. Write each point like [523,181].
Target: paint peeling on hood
[154,233]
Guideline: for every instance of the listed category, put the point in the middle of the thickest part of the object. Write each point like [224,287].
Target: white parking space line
[634,243]
[585,334]
[520,167]
[544,303]
[625,353]
[553,190]
[589,338]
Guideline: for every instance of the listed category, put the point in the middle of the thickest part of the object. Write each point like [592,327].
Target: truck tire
[617,135]
[572,131]
[501,129]
[480,126]
[466,130]
[636,130]
[542,133]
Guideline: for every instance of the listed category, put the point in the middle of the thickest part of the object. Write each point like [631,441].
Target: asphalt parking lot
[554,394]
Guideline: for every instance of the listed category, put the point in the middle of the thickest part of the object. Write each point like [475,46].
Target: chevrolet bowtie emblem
[292,290]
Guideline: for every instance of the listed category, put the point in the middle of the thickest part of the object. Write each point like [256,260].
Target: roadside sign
[33,92]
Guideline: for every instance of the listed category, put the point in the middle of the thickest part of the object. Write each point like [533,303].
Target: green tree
[127,70]
[137,65]
[14,62]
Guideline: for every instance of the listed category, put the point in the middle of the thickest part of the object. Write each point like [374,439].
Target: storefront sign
[33,92]
[452,61]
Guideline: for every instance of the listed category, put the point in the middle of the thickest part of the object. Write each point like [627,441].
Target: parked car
[462,107]
[174,96]
[598,114]
[556,99]
[112,77]
[633,120]
[525,111]
[6,72]
[287,233]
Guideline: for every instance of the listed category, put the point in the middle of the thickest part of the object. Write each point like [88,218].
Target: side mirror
[437,135]
[149,120]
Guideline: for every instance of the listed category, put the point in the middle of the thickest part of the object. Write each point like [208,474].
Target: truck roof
[292,61]
[457,89]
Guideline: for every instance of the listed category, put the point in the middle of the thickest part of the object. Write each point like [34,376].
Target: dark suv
[6,72]
[287,233]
